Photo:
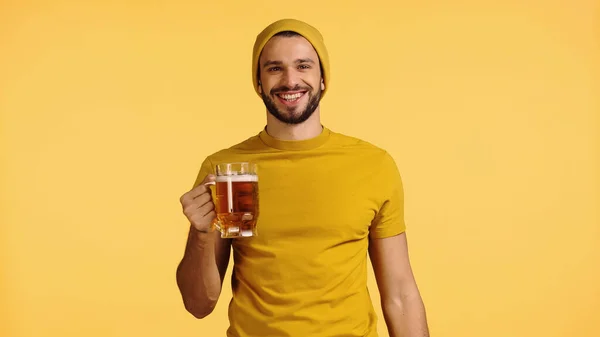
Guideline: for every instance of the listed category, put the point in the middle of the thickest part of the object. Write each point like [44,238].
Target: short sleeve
[389,220]
[205,169]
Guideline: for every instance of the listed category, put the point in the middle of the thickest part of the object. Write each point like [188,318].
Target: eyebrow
[277,63]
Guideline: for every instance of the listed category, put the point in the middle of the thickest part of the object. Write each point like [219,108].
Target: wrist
[201,238]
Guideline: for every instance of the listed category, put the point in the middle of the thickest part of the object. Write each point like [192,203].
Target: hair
[287,33]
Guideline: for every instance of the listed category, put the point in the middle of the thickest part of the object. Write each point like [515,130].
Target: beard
[291,117]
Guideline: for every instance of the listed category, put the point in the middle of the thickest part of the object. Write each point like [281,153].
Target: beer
[236,203]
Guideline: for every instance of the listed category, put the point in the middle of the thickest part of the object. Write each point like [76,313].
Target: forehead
[281,48]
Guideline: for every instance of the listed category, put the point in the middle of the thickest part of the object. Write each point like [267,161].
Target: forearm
[198,276]
[405,316]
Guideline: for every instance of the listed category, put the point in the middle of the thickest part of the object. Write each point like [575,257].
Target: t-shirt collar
[295,145]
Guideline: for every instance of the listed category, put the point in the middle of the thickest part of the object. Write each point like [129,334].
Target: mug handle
[215,225]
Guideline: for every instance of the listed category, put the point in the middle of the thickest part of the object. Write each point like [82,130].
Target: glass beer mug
[236,202]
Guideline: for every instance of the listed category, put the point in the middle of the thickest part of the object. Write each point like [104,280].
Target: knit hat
[307,31]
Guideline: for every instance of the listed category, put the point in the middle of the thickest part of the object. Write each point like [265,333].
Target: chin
[292,119]
[290,115]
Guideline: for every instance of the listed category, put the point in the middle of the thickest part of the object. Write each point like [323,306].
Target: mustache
[285,88]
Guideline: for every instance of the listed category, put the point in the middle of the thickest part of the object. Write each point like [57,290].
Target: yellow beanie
[307,31]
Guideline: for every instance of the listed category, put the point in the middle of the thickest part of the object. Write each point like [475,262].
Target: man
[326,202]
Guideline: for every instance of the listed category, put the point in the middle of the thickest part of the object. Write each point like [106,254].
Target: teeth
[291,97]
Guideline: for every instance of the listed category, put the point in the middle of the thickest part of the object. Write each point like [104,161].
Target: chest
[313,198]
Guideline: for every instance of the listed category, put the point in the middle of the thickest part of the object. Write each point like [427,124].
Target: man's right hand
[198,205]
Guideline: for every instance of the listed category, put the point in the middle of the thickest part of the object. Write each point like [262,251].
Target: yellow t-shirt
[305,273]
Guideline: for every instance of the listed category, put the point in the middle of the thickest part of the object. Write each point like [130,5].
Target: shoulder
[359,145]
[249,145]
[379,159]
[230,153]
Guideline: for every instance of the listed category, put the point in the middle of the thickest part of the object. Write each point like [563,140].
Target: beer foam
[238,178]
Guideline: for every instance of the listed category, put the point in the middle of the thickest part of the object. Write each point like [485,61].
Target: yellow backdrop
[491,111]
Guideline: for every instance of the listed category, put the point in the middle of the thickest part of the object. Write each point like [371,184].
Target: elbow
[199,314]
[392,303]
[200,310]
[400,300]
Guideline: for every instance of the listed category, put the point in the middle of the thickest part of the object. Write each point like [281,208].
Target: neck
[309,129]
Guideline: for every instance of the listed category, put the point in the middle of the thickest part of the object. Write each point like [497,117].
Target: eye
[273,69]
[304,66]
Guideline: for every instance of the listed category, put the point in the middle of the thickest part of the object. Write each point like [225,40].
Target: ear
[260,87]
[322,84]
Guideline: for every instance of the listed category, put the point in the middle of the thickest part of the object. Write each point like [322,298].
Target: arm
[201,271]
[401,302]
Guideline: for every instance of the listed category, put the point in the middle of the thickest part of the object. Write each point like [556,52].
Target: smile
[291,98]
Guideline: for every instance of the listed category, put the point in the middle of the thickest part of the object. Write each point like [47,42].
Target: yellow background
[491,110]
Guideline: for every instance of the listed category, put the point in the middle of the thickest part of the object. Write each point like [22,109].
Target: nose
[290,78]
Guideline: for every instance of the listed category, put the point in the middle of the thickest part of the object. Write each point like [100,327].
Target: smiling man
[298,92]
[328,204]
